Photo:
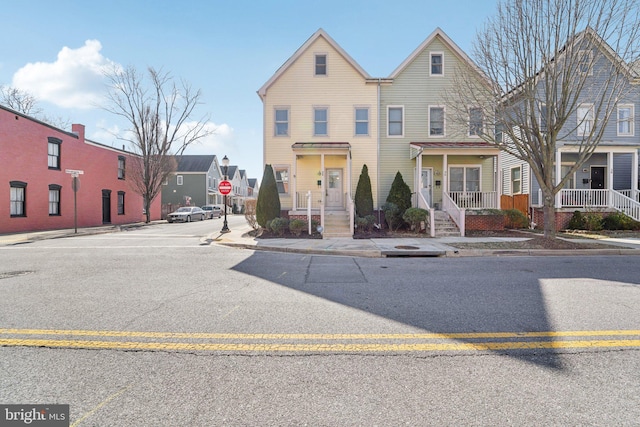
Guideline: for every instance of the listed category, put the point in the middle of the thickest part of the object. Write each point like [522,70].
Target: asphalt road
[154,327]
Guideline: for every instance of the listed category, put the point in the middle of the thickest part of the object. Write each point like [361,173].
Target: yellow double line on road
[319,343]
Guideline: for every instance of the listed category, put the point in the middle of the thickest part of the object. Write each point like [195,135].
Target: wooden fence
[518,201]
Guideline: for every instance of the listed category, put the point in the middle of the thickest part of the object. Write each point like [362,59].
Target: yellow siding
[341,91]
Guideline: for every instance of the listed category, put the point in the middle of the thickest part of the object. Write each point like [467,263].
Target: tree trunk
[549,215]
[147,210]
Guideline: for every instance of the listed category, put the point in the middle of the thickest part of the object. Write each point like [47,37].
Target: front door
[427,185]
[597,177]
[334,189]
[106,206]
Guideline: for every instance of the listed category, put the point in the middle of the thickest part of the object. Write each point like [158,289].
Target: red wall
[23,157]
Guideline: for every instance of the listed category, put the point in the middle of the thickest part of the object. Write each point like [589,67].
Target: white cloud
[74,80]
[213,144]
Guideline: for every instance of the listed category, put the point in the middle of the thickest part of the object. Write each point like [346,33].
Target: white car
[187,214]
[212,211]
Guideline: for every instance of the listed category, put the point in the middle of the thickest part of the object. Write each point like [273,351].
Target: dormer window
[321,65]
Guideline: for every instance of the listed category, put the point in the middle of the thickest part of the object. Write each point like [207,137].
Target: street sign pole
[75,185]
[225,188]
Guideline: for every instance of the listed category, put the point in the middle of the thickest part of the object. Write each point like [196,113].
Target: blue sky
[228,49]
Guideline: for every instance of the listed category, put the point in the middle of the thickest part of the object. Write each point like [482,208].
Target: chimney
[78,130]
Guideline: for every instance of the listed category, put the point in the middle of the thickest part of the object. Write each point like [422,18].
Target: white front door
[334,189]
[427,185]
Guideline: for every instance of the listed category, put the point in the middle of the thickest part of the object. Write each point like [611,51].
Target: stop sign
[224,187]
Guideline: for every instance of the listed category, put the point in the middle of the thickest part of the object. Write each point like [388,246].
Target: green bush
[414,217]
[516,219]
[363,197]
[576,222]
[400,194]
[392,216]
[592,222]
[278,226]
[297,226]
[620,221]
[268,205]
[366,223]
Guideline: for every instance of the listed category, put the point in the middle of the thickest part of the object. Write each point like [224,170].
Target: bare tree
[542,60]
[159,112]
[26,103]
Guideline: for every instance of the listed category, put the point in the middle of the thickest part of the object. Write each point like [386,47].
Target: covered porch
[321,186]
[455,176]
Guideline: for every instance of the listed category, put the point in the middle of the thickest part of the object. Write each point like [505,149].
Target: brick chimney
[78,129]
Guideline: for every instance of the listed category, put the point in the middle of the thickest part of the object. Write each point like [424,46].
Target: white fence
[475,199]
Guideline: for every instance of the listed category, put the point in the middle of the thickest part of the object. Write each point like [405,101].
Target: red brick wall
[23,148]
[484,222]
[562,217]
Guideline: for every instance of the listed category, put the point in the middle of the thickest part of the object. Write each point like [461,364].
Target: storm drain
[407,248]
[9,274]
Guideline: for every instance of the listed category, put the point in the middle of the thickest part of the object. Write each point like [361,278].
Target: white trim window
[625,120]
[585,119]
[179,180]
[361,121]
[543,119]
[476,122]
[436,63]
[516,180]
[281,121]
[395,113]
[281,174]
[585,62]
[320,64]
[464,178]
[436,120]
[320,121]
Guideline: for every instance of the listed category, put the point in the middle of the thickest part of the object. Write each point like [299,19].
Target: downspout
[378,158]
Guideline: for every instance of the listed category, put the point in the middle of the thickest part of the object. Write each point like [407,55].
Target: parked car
[187,214]
[212,211]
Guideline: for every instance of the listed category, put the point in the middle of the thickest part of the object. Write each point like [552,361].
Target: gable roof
[252,182]
[447,41]
[301,50]
[231,172]
[194,163]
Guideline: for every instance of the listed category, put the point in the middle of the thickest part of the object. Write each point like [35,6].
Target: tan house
[320,128]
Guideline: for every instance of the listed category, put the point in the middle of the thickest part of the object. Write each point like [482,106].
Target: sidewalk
[407,247]
[372,248]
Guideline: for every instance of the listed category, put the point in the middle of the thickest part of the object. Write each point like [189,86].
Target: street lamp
[225,165]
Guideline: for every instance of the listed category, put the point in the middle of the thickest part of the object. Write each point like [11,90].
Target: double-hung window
[464,178]
[179,180]
[476,124]
[436,121]
[281,174]
[282,122]
[362,121]
[516,180]
[396,126]
[585,119]
[121,167]
[18,198]
[120,202]
[53,151]
[321,65]
[54,199]
[437,64]
[625,120]
[320,121]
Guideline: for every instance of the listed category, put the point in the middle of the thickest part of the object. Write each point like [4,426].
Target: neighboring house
[320,128]
[446,164]
[252,188]
[195,182]
[37,159]
[608,180]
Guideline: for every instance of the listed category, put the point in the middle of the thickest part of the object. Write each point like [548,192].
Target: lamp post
[225,165]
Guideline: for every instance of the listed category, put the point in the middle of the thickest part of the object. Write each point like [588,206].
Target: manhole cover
[412,248]
[8,274]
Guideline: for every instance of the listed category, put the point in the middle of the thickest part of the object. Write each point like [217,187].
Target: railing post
[309,210]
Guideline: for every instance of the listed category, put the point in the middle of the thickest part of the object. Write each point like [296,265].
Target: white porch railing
[475,199]
[301,200]
[574,198]
[632,194]
[352,211]
[456,213]
[626,205]
[422,203]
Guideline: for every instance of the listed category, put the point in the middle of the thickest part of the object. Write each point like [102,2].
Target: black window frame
[122,164]
[58,188]
[23,202]
[52,141]
[121,202]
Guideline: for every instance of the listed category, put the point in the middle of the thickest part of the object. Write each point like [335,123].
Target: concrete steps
[444,225]
[336,224]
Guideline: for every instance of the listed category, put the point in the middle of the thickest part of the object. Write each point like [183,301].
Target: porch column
[610,170]
[634,174]
[349,174]
[418,177]
[445,173]
[558,165]
[497,179]
[294,182]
